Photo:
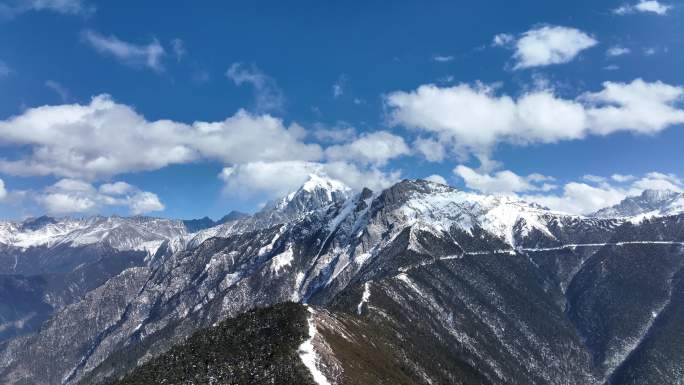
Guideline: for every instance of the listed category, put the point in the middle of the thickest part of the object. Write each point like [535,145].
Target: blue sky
[571,104]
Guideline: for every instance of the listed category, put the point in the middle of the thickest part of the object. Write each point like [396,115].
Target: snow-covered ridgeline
[498,215]
[134,233]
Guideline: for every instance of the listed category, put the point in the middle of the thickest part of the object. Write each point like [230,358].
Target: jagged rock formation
[416,284]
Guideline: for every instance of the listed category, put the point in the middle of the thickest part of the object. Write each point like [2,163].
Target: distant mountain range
[416,284]
[652,203]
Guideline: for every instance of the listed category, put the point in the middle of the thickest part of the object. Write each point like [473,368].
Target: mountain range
[419,283]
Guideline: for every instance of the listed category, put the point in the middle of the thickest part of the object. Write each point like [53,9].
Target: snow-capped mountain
[651,203]
[121,233]
[317,193]
[435,284]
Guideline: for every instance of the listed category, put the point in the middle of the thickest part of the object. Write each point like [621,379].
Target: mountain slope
[258,347]
[439,285]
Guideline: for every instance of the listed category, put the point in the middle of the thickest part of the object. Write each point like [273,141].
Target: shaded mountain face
[649,203]
[48,263]
[416,284]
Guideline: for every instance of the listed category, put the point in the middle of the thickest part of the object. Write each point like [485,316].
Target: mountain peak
[322,181]
[37,223]
[654,195]
[649,202]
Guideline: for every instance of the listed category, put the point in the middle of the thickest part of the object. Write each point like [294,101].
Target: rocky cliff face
[427,283]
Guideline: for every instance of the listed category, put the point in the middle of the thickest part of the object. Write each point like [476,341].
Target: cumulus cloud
[579,198]
[658,181]
[575,197]
[276,179]
[105,138]
[267,95]
[72,196]
[583,198]
[436,179]
[617,51]
[648,6]
[622,178]
[340,132]
[432,150]
[138,55]
[546,45]
[376,148]
[503,182]
[474,119]
[116,188]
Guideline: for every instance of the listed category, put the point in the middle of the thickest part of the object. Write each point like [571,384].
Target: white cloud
[442,58]
[649,6]
[116,188]
[622,178]
[276,179]
[658,181]
[3,190]
[105,138]
[594,178]
[638,106]
[611,67]
[267,94]
[139,55]
[503,40]
[339,86]
[580,198]
[502,182]
[547,45]
[617,51]
[62,203]
[474,119]
[178,47]
[72,196]
[595,193]
[341,132]
[432,150]
[68,7]
[376,148]
[59,89]
[437,179]
[145,202]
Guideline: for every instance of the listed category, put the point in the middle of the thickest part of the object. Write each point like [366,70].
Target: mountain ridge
[470,269]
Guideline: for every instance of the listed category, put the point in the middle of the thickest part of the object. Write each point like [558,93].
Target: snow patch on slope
[308,354]
[281,260]
[364,297]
